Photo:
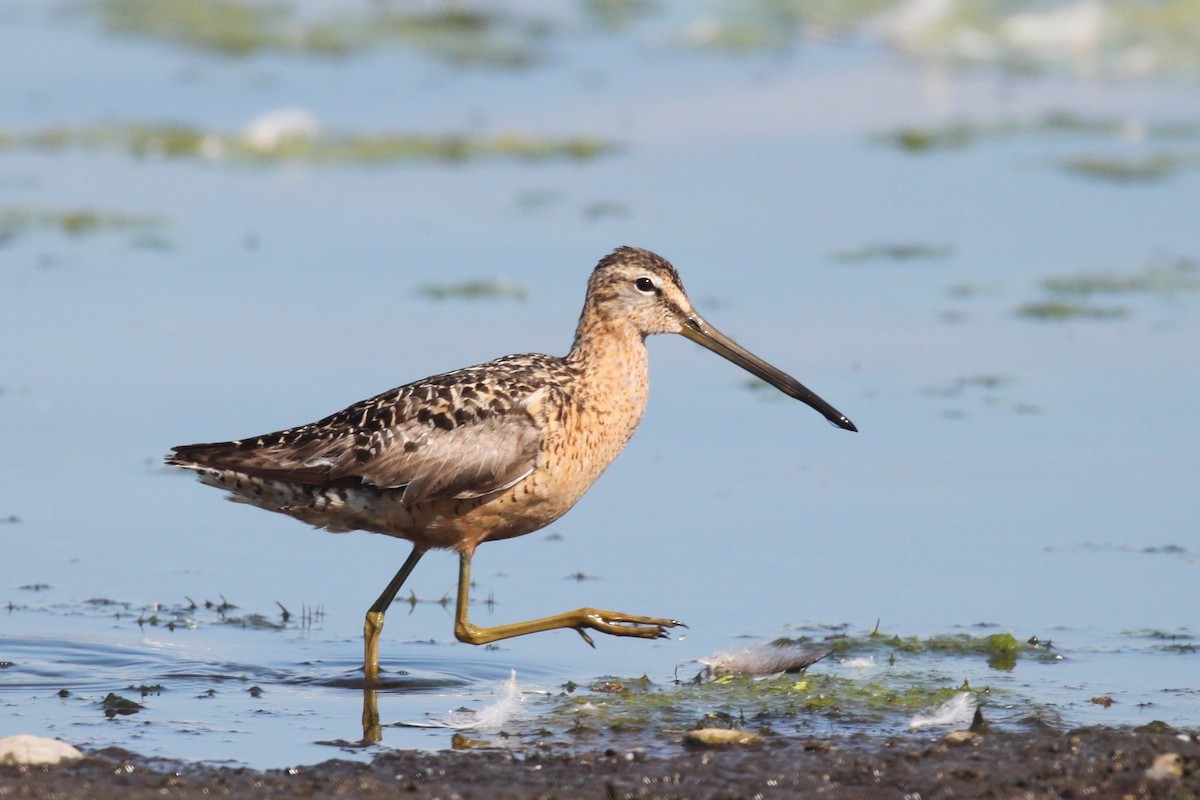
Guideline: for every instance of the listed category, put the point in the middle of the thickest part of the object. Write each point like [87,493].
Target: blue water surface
[1036,475]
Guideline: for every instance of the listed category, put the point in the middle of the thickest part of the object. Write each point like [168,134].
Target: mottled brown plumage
[487,452]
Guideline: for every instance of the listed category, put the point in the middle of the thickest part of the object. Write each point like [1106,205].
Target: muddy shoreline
[1045,763]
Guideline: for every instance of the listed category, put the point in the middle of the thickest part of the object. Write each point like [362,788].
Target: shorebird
[488,452]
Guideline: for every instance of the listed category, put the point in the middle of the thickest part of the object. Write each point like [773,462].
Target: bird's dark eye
[644,285]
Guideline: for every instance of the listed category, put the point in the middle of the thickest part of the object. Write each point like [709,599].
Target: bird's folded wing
[431,455]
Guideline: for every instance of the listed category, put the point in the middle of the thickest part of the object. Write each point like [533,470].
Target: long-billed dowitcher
[487,452]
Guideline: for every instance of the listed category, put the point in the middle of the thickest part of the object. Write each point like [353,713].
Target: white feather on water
[860,666]
[489,719]
[957,711]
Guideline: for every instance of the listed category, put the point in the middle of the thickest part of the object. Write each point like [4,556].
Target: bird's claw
[618,624]
[664,633]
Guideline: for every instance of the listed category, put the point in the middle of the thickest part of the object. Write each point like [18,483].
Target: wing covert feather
[467,461]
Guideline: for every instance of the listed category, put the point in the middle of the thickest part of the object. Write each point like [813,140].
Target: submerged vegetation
[1057,310]
[895,251]
[457,34]
[1102,37]
[1105,37]
[75,223]
[1069,295]
[473,290]
[761,705]
[985,389]
[1181,275]
[274,139]
[872,681]
[957,135]
[1001,650]
[1130,170]
[1118,168]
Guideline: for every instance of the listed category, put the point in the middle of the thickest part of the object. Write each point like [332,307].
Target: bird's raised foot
[613,623]
[616,623]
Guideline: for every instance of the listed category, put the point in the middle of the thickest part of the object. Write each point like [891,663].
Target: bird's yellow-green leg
[611,622]
[372,730]
[374,624]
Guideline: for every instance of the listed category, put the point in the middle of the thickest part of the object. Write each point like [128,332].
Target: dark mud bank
[1081,763]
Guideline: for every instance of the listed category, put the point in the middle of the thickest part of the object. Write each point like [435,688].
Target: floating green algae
[473,290]
[72,222]
[948,137]
[226,26]
[1020,37]
[615,15]
[1138,39]
[1108,37]
[770,25]
[1001,650]
[739,35]
[184,141]
[986,389]
[1181,275]
[967,383]
[983,381]
[1117,169]
[1123,169]
[774,706]
[1055,311]
[871,682]
[1171,278]
[897,251]
[961,134]
[458,34]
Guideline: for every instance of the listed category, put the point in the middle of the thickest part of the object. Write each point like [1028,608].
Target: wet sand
[1044,763]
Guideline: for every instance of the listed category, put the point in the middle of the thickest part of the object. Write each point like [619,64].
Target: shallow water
[1035,475]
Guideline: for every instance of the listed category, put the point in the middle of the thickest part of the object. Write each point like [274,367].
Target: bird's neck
[597,406]
[611,355]
[601,341]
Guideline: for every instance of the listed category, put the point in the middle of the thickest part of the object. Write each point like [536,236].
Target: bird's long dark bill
[706,335]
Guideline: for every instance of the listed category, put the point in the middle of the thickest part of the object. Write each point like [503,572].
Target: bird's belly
[530,505]
[524,508]
[550,491]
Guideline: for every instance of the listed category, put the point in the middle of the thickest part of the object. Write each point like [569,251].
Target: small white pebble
[26,749]
[719,737]
[1166,767]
